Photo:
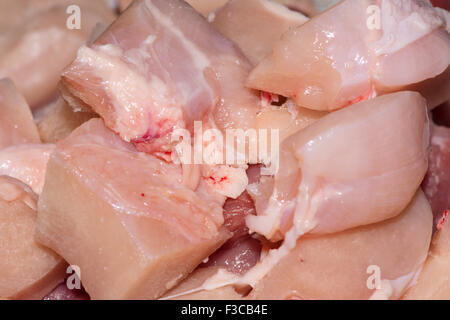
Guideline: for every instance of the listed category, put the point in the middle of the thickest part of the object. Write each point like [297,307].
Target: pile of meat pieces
[95,183]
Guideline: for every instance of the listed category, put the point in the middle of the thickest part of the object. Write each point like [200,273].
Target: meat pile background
[89,185]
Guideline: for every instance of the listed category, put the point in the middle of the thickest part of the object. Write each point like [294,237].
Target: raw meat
[60,120]
[114,211]
[355,166]
[335,266]
[434,281]
[160,67]
[16,121]
[346,55]
[36,48]
[27,163]
[255,25]
[27,269]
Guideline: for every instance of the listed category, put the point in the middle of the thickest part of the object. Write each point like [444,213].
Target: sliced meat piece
[436,184]
[36,49]
[346,54]
[190,289]
[27,163]
[434,280]
[255,25]
[112,210]
[160,67]
[336,266]
[379,158]
[60,120]
[16,121]
[27,269]
[62,292]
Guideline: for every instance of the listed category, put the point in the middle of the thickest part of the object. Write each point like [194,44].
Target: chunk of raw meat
[434,282]
[336,266]
[255,25]
[160,67]
[436,184]
[349,53]
[112,210]
[16,121]
[27,269]
[60,120]
[355,166]
[27,163]
[36,48]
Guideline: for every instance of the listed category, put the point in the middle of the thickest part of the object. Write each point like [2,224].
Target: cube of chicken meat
[255,25]
[351,264]
[160,67]
[124,217]
[355,166]
[358,50]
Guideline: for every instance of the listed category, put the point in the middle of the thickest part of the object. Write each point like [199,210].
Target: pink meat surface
[436,184]
[112,210]
[356,50]
[159,67]
[16,121]
[27,163]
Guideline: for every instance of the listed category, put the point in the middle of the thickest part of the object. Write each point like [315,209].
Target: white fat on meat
[158,68]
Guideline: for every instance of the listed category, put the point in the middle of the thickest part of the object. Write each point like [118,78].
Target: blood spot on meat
[443,220]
